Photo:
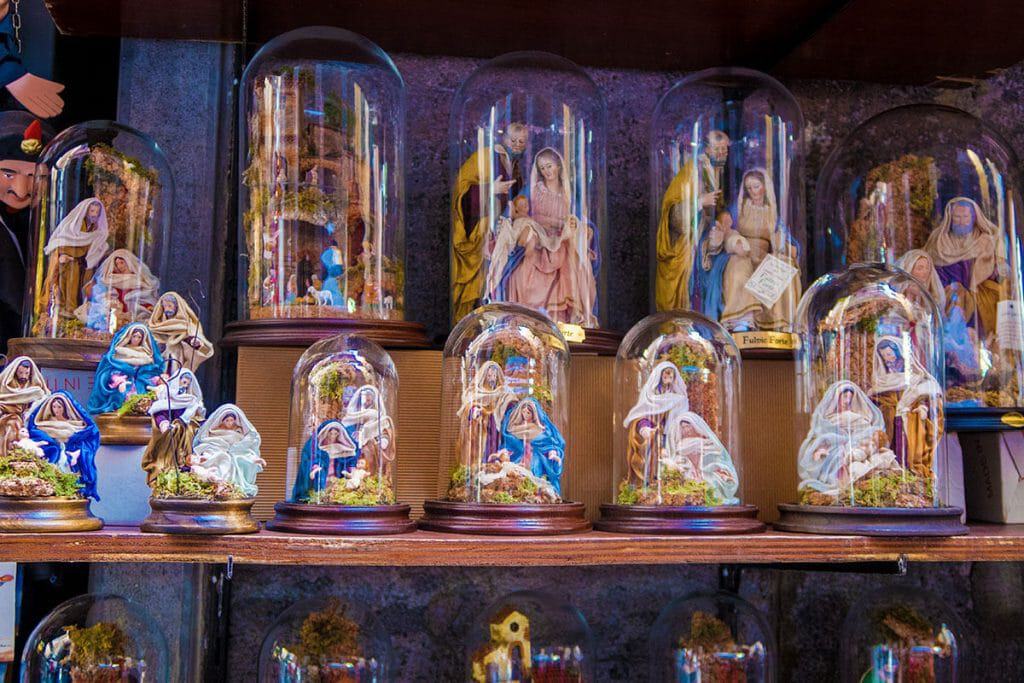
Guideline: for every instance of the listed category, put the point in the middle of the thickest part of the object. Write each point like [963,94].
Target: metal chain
[16,21]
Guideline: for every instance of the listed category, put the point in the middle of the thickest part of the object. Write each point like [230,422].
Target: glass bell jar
[902,636]
[936,191]
[325,639]
[95,638]
[530,636]
[100,237]
[342,442]
[529,226]
[322,189]
[712,638]
[677,449]
[870,410]
[727,203]
[505,412]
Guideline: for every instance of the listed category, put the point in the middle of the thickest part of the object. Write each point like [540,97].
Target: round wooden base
[597,341]
[48,352]
[129,430]
[666,519]
[862,521]
[392,334]
[341,520]
[202,517]
[502,519]
[43,515]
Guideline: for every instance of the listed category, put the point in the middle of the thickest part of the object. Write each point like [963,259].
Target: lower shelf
[985,543]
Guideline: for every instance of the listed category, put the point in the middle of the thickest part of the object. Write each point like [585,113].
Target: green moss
[867,325]
[373,491]
[173,484]
[675,488]
[136,404]
[100,643]
[65,484]
[330,385]
[328,635]
[628,494]
[688,360]
[504,497]
[709,633]
[460,477]
[131,164]
[888,489]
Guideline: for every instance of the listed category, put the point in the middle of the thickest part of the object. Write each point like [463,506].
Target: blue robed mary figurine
[128,367]
[534,442]
[68,437]
[330,452]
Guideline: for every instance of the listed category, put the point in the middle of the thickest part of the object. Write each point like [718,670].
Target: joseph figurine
[75,249]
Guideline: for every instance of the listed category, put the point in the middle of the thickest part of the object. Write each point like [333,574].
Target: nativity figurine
[74,249]
[177,330]
[226,452]
[177,411]
[127,369]
[67,437]
[122,291]
[21,385]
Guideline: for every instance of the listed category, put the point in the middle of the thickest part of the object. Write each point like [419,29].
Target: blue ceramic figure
[68,436]
[534,442]
[329,453]
[128,367]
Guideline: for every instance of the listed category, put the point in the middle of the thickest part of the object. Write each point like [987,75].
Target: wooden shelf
[910,41]
[985,543]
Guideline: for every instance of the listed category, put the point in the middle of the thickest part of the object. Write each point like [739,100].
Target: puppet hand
[554,457]
[502,186]
[64,258]
[313,471]
[645,433]
[710,198]
[73,457]
[38,95]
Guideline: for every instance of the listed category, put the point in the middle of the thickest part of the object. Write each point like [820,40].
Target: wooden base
[73,354]
[670,519]
[862,521]
[130,430]
[391,334]
[502,519]
[597,341]
[44,515]
[204,517]
[341,520]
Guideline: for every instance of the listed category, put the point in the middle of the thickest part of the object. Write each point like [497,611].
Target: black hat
[22,136]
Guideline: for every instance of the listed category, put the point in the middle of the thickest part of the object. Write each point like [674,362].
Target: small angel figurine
[67,437]
[128,367]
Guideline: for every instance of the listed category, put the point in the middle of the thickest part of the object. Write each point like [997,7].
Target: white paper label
[1008,326]
[8,590]
[770,280]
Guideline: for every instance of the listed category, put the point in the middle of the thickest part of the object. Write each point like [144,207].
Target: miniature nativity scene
[935,191]
[48,445]
[321,193]
[342,442]
[870,409]
[505,402]
[727,204]
[676,443]
[528,223]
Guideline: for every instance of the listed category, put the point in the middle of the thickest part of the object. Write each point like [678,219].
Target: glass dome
[677,390]
[727,202]
[505,406]
[870,407]
[325,639]
[904,636]
[527,157]
[712,638]
[95,638]
[935,191]
[321,193]
[99,232]
[530,636]
[341,431]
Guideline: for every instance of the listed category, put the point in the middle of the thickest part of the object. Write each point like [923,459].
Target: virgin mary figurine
[697,454]
[21,385]
[177,411]
[663,392]
[757,232]
[227,450]
[847,441]
[128,367]
[911,402]
[177,330]
[534,442]
[68,436]
[326,455]
[123,290]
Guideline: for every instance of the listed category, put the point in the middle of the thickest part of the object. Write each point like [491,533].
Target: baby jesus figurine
[355,476]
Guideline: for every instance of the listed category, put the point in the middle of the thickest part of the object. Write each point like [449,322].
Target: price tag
[8,591]
[770,280]
[1008,326]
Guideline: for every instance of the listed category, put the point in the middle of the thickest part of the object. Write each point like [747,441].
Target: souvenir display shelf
[984,543]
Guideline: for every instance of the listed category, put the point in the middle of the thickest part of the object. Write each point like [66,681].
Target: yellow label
[1015,420]
[572,333]
[761,339]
